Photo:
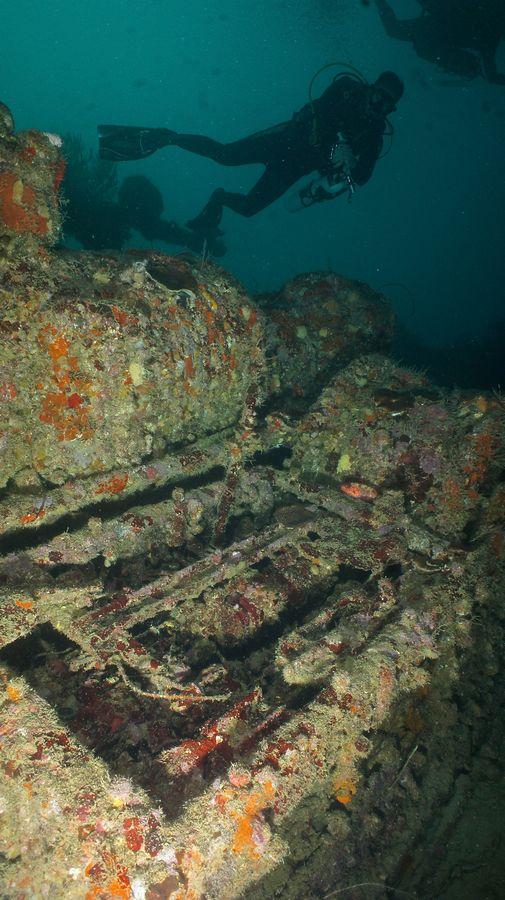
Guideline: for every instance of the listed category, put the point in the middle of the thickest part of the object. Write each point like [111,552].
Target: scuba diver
[101,213]
[339,135]
[460,36]
[141,203]
[103,223]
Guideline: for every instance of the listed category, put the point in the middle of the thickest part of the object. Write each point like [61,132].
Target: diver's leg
[274,182]
[118,142]
[402,31]
[125,142]
[256,148]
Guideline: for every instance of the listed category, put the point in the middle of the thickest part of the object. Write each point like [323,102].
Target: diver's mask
[380,102]
[384,94]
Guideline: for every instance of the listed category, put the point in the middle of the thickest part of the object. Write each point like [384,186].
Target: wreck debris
[226,629]
[316,323]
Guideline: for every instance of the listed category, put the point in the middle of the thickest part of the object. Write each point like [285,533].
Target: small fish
[359,491]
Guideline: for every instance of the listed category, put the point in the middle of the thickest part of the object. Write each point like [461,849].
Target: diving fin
[123,142]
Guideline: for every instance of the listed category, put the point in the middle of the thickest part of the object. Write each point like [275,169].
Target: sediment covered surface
[252,575]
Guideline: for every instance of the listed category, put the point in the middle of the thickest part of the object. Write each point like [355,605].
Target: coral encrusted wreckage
[251,574]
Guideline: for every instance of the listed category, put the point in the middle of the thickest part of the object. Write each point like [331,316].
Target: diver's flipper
[124,142]
[207,221]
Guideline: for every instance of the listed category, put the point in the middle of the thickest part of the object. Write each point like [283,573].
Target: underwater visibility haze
[432,216]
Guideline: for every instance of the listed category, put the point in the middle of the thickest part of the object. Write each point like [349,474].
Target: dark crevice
[303,695]
[351,573]
[145,626]
[393,571]
[137,678]
[262,565]
[269,633]
[267,636]
[102,713]
[23,539]
[275,457]
[24,654]
[186,448]
[62,568]
[27,575]
[11,489]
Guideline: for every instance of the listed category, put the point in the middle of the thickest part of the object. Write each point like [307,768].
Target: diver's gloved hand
[342,156]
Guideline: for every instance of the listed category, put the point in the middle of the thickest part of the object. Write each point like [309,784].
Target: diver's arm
[170,233]
[362,171]
[401,30]
[489,63]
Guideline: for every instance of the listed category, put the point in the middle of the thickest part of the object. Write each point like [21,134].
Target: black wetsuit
[295,148]
[101,223]
[459,36]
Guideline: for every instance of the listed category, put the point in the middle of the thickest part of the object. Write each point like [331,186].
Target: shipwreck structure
[251,578]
